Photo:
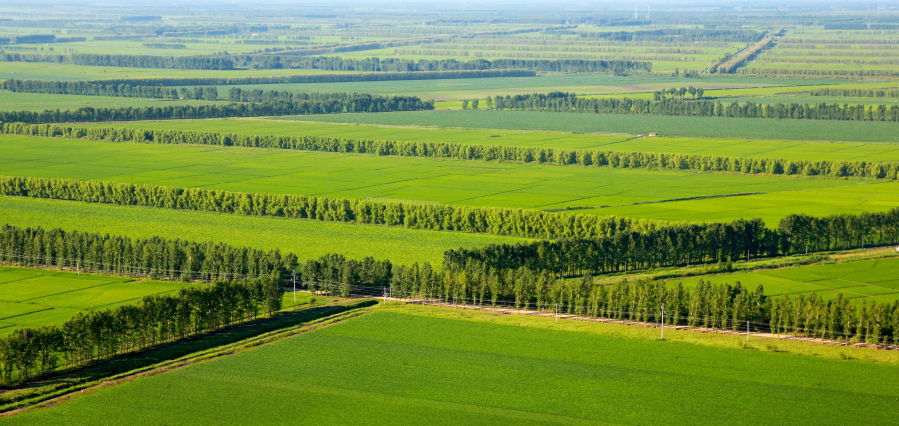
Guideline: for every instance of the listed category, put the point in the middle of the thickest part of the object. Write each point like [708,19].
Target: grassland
[750,148]
[38,297]
[446,369]
[54,71]
[306,238]
[668,195]
[18,101]
[705,127]
[870,280]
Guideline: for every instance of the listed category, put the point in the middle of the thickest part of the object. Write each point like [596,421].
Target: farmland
[34,297]
[602,191]
[464,370]
[458,213]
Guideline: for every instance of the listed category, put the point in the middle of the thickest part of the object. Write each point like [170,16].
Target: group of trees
[730,63]
[317,78]
[87,88]
[152,257]
[317,104]
[570,102]
[498,221]
[678,93]
[334,63]
[333,102]
[584,157]
[96,335]
[867,93]
[679,35]
[684,244]
[817,72]
[335,274]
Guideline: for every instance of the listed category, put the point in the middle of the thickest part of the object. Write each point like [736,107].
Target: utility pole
[294,278]
[747,329]
[662,332]
[557,311]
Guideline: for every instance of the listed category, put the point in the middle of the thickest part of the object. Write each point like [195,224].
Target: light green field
[705,127]
[18,101]
[868,280]
[305,238]
[445,369]
[751,148]
[37,297]
[665,194]
[54,71]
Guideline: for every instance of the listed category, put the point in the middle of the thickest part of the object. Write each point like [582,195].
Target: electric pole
[662,332]
[294,278]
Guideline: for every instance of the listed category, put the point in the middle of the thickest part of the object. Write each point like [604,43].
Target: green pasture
[305,238]
[38,297]
[706,127]
[672,195]
[866,280]
[751,148]
[401,366]
[18,101]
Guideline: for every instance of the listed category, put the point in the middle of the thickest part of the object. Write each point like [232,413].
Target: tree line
[537,155]
[87,88]
[319,78]
[865,93]
[678,93]
[332,63]
[730,63]
[97,335]
[349,102]
[325,104]
[685,244]
[570,102]
[155,257]
[497,221]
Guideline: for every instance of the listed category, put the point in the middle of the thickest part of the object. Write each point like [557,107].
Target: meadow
[868,280]
[446,369]
[705,127]
[306,238]
[749,148]
[38,297]
[672,195]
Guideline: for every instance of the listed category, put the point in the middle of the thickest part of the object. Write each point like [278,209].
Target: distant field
[869,280]
[710,127]
[450,370]
[753,148]
[36,297]
[18,101]
[54,71]
[306,238]
[672,195]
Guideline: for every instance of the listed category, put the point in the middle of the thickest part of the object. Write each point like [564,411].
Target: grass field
[409,365]
[18,101]
[54,71]
[752,148]
[604,191]
[869,280]
[710,127]
[37,297]
[306,238]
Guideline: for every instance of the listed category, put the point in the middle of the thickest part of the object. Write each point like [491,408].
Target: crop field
[831,50]
[452,370]
[306,238]
[672,195]
[35,297]
[62,72]
[868,280]
[750,148]
[705,127]
[18,101]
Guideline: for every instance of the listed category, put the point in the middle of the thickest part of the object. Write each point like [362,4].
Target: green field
[705,127]
[37,297]
[305,238]
[751,148]
[400,367]
[868,280]
[54,71]
[18,101]
[603,191]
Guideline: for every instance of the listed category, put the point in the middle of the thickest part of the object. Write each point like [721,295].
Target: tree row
[570,102]
[537,155]
[326,104]
[97,335]
[87,88]
[678,245]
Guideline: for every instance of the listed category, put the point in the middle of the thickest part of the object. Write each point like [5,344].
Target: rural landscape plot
[360,213]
